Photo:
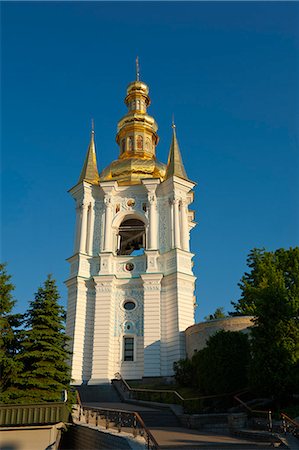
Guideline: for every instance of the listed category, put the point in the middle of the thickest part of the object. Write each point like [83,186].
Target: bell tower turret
[131,287]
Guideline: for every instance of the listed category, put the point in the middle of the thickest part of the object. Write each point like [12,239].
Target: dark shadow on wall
[89,331]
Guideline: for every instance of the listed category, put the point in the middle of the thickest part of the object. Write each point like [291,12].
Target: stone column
[184,227]
[83,227]
[77,229]
[152,245]
[108,220]
[171,229]
[176,219]
[91,229]
[152,324]
[103,348]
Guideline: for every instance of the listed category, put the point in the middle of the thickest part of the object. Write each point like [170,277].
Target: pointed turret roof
[90,170]
[175,166]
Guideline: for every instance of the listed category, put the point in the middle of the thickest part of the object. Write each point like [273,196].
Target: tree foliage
[183,370]
[270,291]
[9,323]
[43,353]
[221,367]
[218,314]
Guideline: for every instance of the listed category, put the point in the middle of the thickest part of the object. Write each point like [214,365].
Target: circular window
[129,267]
[129,306]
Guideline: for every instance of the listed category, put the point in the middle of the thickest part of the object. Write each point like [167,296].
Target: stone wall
[198,334]
[82,437]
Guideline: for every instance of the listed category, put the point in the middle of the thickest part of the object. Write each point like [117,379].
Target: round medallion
[129,267]
[131,202]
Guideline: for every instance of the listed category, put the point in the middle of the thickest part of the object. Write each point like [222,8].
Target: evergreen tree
[8,335]
[44,354]
[218,314]
[270,291]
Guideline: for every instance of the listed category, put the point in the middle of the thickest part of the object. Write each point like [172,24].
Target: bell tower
[131,284]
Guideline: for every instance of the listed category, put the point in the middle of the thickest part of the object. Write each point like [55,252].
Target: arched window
[123,145]
[147,144]
[139,142]
[131,236]
[130,143]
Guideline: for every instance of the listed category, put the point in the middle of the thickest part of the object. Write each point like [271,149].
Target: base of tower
[94,381]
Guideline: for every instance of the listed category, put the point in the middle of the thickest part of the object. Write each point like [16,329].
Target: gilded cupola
[137,140]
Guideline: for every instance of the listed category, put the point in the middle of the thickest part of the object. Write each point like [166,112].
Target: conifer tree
[270,291]
[8,335]
[44,351]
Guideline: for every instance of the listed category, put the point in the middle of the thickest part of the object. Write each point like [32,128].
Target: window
[139,142]
[131,236]
[128,349]
[129,305]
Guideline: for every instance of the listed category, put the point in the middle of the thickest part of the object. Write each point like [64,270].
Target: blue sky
[228,72]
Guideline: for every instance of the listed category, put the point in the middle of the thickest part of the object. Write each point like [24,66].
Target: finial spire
[90,170]
[173,124]
[137,69]
[175,166]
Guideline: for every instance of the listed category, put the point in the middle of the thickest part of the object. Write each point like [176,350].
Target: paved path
[176,438]
[290,441]
[184,438]
[120,406]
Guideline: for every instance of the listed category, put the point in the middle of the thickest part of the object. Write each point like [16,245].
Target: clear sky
[228,72]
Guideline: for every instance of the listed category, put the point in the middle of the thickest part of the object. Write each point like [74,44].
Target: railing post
[270,421]
[284,425]
[97,419]
[107,421]
[119,422]
[134,426]
[148,442]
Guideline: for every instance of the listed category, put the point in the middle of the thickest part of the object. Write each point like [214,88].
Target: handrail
[258,411]
[252,411]
[150,440]
[169,391]
[177,394]
[285,419]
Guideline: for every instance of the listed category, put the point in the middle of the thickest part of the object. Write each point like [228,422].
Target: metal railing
[289,425]
[119,419]
[256,413]
[149,394]
[33,414]
[207,403]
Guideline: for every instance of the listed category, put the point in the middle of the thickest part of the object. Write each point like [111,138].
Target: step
[159,419]
[102,393]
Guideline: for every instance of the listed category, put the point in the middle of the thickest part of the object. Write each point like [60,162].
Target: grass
[185,392]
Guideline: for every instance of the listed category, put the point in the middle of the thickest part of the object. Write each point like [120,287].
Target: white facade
[156,285]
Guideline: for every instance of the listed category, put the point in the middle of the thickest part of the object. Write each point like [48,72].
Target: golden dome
[133,170]
[137,138]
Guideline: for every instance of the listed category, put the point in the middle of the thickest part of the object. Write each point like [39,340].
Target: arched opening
[131,234]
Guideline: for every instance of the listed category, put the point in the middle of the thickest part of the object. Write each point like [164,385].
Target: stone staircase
[85,438]
[163,424]
[157,419]
[102,393]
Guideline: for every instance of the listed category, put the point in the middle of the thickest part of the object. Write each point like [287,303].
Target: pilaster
[102,368]
[152,324]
